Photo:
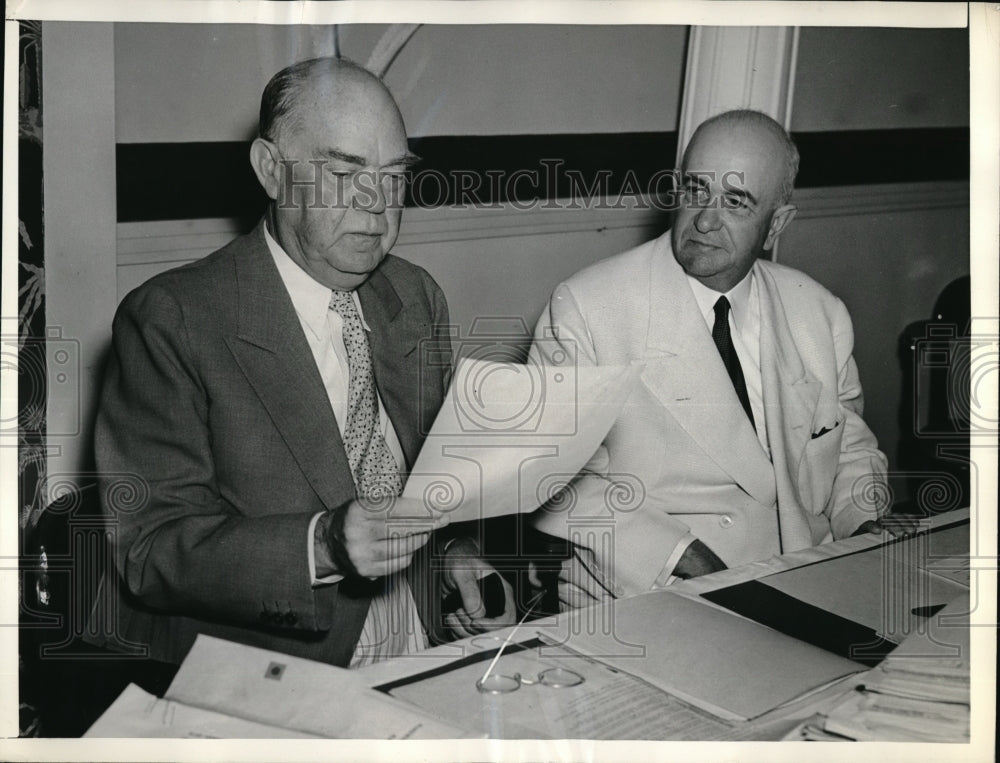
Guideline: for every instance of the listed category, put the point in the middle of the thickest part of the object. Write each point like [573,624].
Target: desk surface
[638,695]
[391,670]
[888,600]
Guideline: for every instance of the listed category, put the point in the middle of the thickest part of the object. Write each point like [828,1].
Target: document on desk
[957,569]
[138,714]
[656,666]
[292,693]
[708,657]
[608,703]
[948,554]
[509,436]
[881,595]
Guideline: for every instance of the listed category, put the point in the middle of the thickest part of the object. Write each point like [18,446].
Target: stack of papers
[226,690]
[898,703]
[918,694]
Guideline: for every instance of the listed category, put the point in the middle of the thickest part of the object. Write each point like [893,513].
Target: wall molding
[880,199]
[178,241]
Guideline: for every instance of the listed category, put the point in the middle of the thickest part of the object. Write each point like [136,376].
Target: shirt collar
[310,298]
[738,296]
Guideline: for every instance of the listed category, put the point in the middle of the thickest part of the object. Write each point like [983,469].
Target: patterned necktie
[375,471]
[724,342]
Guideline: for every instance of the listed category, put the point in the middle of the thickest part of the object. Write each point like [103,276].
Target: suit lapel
[790,399]
[394,339]
[685,372]
[790,393]
[272,352]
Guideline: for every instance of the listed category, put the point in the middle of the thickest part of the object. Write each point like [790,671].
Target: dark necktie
[724,343]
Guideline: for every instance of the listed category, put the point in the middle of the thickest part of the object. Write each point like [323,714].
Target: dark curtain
[31,303]
[31,279]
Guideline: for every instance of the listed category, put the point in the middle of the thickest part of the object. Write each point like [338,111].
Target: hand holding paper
[376,537]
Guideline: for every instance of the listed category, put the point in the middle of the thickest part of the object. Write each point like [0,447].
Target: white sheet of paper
[711,658]
[957,569]
[293,693]
[138,714]
[948,555]
[609,704]
[509,436]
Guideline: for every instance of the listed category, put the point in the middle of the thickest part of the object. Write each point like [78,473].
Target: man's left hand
[897,525]
[464,566]
[579,581]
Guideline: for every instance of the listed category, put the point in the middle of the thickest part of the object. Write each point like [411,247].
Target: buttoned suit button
[726,520]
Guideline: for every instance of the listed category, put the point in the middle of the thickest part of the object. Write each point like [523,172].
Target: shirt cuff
[666,576]
[318,551]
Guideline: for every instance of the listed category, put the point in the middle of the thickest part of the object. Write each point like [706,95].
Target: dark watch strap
[338,544]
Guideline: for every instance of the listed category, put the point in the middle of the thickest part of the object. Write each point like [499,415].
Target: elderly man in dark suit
[271,396]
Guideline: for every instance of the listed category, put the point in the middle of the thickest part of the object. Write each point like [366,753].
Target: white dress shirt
[392,626]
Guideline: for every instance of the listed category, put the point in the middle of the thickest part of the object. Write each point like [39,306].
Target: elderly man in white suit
[730,465]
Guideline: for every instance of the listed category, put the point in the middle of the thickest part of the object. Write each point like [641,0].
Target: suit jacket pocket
[819,468]
[823,431]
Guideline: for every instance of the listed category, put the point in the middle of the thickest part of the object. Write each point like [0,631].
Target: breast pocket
[818,467]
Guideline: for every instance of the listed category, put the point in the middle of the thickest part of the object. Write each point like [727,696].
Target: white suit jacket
[683,459]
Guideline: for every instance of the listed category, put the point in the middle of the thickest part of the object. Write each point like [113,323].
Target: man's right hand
[376,539]
[698,559]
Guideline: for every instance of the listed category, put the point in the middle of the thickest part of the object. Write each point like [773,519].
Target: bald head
[331,156]
[335,80]
[762,129]
[738,172]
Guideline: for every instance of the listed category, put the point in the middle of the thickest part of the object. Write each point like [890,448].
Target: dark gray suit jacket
[213,400]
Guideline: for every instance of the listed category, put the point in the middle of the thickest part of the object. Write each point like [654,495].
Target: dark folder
[793,617]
